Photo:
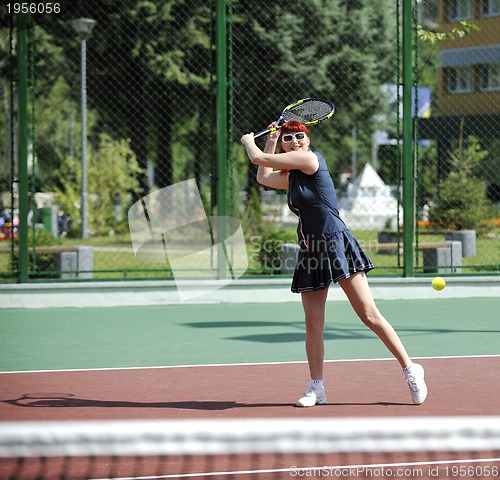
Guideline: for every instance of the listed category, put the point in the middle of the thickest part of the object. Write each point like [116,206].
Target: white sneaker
[312,397]
[416,382]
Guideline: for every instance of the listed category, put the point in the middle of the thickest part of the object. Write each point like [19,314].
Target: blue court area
[84,338]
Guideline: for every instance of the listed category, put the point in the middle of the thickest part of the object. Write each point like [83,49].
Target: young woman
[328,251]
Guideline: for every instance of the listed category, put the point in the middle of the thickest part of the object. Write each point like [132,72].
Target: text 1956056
[33,7]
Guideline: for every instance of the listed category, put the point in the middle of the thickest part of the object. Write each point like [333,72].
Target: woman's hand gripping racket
[309,111]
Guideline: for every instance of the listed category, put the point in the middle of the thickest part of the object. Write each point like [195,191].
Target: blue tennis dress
[328,251]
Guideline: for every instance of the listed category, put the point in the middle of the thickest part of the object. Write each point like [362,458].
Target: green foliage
[58,129]
[427,66]
[264,239]
[113,172]
[462,203]
[112,175]
[465,28]
[268,247]
[39,263]
[347,63]
[427,189]
[68,191]
[253,219]
[183,33]
[491,164]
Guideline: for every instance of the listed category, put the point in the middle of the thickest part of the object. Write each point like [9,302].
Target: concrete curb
[143,293]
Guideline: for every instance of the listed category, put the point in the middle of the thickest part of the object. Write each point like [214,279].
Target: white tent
[369,203]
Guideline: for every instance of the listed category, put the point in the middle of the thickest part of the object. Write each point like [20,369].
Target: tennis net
[347,448]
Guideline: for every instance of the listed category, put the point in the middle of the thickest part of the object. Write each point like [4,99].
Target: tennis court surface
[224,378]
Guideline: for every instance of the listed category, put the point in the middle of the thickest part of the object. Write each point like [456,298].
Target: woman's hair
[293,126]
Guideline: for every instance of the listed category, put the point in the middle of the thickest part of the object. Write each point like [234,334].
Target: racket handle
[264,132]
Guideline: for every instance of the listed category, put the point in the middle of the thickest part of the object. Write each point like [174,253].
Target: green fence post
[221,136]
[408,180]
[22,47]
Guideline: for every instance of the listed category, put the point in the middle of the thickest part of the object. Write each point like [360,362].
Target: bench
[376,246]
[438,257]
[72,261]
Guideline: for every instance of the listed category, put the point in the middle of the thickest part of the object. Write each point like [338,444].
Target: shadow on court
[354,389]
[70,401]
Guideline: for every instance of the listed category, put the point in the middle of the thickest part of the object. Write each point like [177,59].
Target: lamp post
[84,26]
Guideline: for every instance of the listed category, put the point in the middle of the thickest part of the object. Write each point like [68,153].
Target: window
[460,9]
[489,77]
[459,79]
[490,7]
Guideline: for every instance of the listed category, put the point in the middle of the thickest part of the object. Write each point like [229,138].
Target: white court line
[302,471]
[210,365]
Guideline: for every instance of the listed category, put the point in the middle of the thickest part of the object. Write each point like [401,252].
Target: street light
[84,26]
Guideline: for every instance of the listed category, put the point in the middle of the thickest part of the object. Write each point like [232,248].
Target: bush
[40,263]
[112,175]
[267,247]
[462,202]
[266,239]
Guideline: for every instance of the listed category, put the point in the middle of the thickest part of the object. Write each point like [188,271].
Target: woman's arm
[267,175]
[307,162]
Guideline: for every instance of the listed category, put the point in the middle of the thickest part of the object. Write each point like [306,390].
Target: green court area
[86,338]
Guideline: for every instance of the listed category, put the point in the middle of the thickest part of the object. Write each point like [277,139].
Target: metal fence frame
[223,143]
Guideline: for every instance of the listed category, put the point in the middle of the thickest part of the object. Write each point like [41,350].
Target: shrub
[462,203]
[40,264]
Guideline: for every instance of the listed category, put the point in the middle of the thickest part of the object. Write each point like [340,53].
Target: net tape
[248,436]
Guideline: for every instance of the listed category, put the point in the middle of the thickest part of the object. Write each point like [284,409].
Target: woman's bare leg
[314,309]
[358,292]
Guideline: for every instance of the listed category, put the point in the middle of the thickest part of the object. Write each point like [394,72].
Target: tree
[340,50]
[53,108]
[147,61]
[150,75]
[112,173]
[461,203]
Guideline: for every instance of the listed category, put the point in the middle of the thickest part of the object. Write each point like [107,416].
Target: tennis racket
[309,111]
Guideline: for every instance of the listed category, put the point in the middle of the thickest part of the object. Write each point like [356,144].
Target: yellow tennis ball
[438,283]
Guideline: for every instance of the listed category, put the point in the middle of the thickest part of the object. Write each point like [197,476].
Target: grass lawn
[114,258]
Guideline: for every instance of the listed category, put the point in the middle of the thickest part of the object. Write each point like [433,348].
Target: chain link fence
[133,103]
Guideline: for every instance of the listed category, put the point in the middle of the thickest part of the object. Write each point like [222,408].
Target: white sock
[408,369]
[317,384]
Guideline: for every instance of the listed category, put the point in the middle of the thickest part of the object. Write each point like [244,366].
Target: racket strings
[308,112]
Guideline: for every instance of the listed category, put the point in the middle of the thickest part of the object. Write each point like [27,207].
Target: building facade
[470,65]
[468,94]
